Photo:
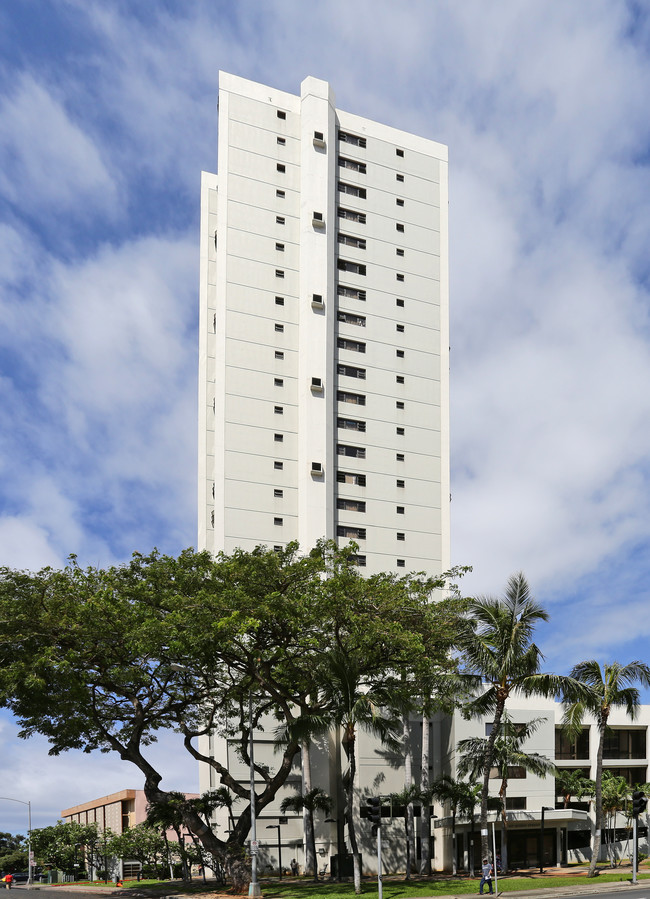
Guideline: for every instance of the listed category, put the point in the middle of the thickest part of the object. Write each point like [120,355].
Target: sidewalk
[548,891]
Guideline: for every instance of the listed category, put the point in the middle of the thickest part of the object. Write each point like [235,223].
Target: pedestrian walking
[486,876]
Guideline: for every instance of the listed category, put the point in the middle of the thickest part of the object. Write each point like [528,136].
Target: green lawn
[400,889]
[394,888]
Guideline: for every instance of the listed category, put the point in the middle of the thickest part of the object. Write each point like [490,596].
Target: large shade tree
[499,651]
[104,659]
[595,691]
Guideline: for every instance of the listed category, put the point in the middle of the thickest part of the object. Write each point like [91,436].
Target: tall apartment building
[323,332]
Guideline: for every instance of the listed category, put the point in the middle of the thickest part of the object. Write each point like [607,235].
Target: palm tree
[571,782]
[499,651]
[601,690]
[507,754]
[616,792]
[316,800]
[355,703]
[170,817]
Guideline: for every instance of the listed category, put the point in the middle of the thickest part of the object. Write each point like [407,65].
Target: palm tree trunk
[425,817]
[313,843]
[472,843]
[408,845]
[351,749]
[307,819]
[504,826]
[487,764]
[408,782]
[595,852]
[454,852]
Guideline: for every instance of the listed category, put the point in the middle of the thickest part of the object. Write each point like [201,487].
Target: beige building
[116,812]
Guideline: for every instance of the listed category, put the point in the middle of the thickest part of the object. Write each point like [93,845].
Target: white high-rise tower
[324,332]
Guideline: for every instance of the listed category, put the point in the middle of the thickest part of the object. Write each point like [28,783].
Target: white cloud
[46,159]
[25,544]
[54,783]
[107,345]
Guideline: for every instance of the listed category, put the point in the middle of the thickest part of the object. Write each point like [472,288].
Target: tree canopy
[13,852]
[103,659]
[68,845]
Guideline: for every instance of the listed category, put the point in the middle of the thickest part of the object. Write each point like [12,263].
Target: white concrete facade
[324,335]
[568,832]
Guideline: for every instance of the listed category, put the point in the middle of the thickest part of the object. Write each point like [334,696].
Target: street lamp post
[277,827]
[29,835]
[541,839]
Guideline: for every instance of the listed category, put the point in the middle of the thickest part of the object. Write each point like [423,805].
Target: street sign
[255,845]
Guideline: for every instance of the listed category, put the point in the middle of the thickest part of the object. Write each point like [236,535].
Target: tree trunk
[351,749]
[487,764]
[425,818]
[307,819]
[454,851]
[472,843]
[313,843]
[408,846]
[408,783]
[595,852]
[504,826]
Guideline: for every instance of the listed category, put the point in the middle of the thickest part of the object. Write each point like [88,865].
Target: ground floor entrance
[523,849]
[524,845]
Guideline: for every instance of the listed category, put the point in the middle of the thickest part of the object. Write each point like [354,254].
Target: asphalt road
[45,892]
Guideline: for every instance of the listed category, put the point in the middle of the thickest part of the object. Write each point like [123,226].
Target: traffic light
[374,810]
[639,803]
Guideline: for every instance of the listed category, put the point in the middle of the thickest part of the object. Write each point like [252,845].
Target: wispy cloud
[47,162]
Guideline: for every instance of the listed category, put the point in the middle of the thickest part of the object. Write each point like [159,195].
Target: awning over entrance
[528,832]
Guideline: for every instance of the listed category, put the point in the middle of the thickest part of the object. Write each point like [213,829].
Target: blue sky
[108,115]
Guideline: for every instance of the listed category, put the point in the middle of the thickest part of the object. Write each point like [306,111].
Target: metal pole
[29,844]
[254,887]
[29,833]
[494,861]
[635,850]
[541,844]
[380,885]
